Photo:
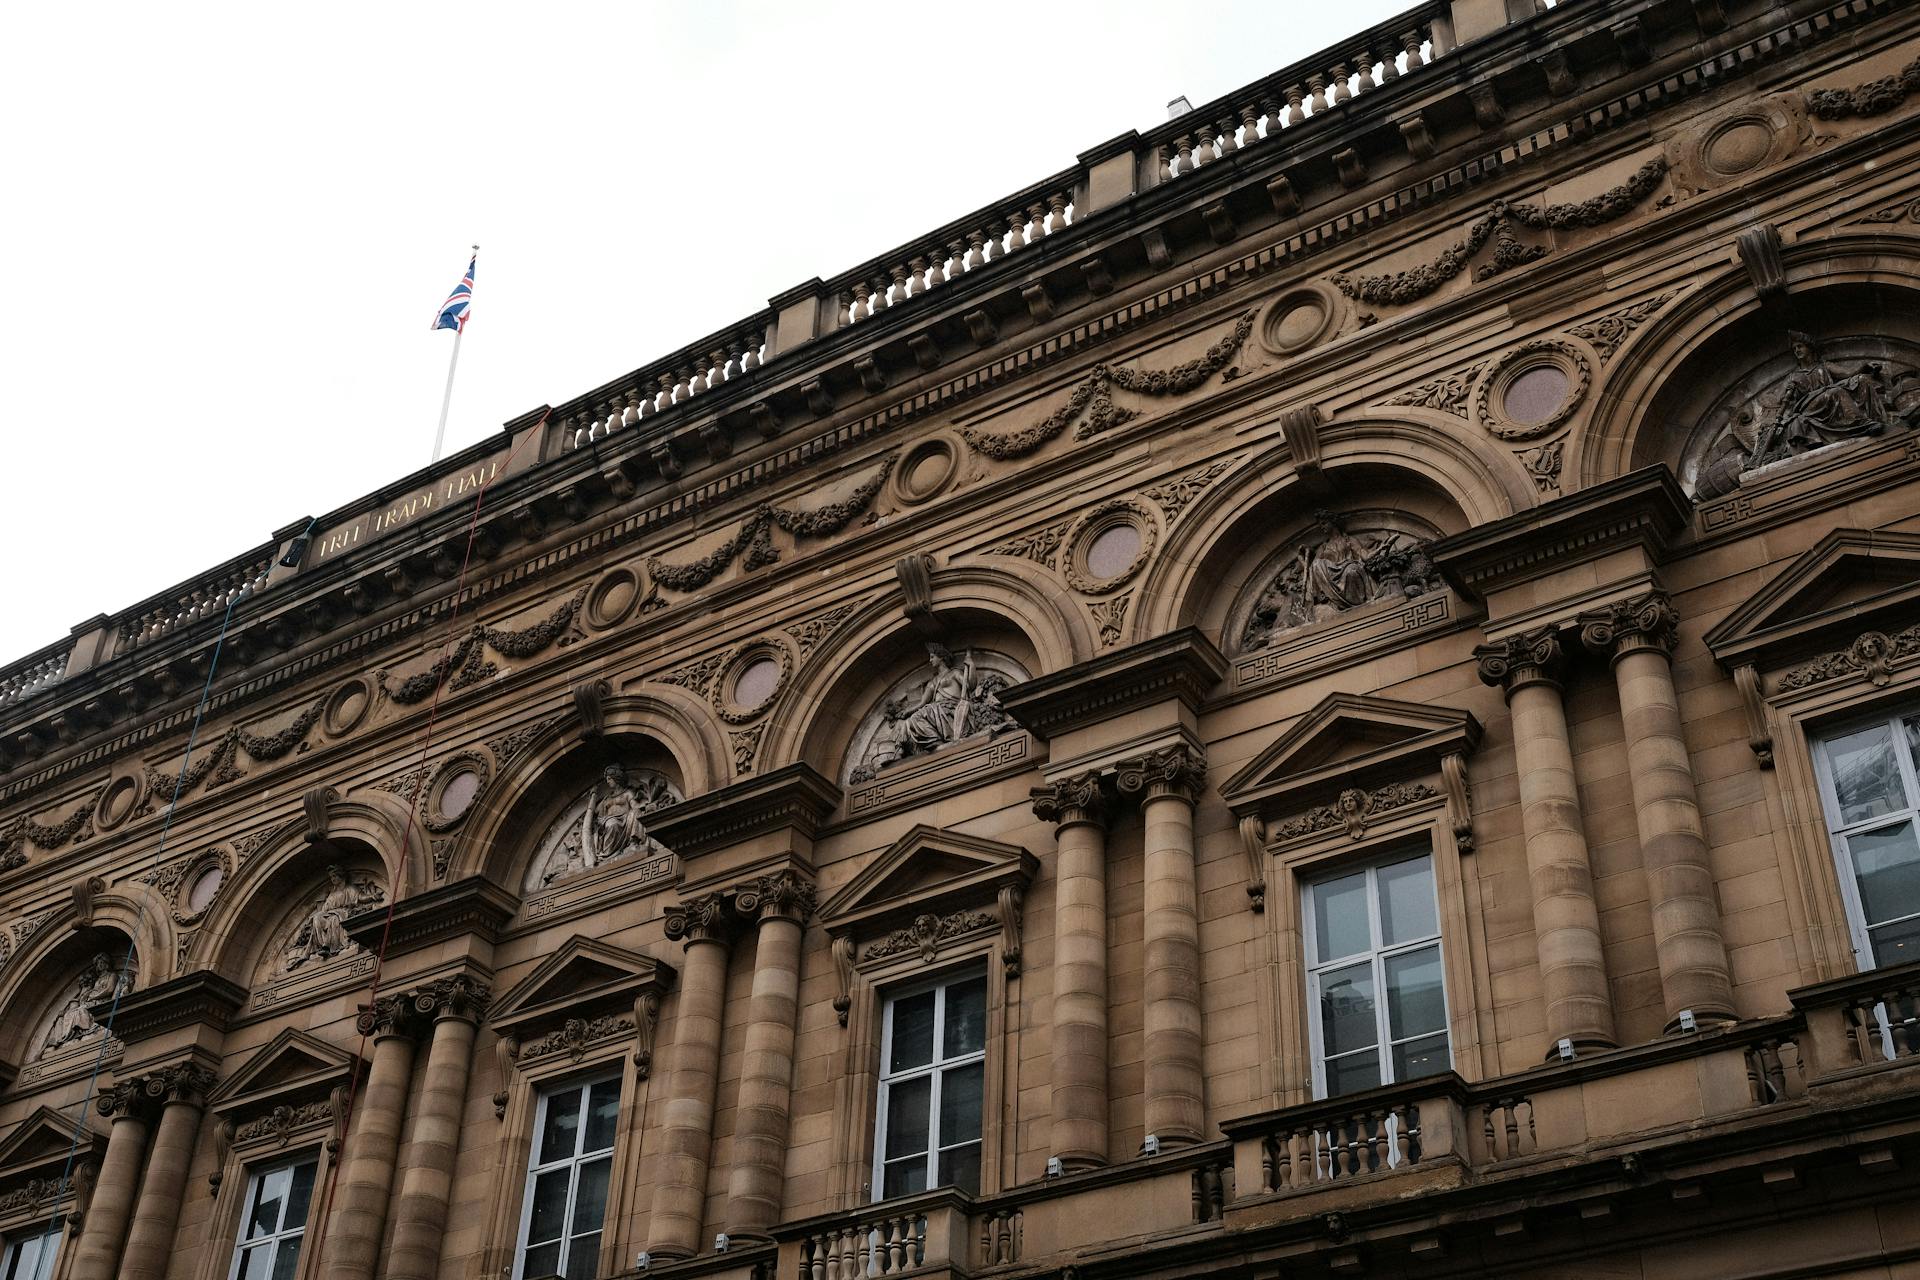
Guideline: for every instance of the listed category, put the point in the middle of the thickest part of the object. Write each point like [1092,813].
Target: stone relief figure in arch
[957,698]
[315,932]
[72,1023]
[1796,407]
[607,824]
[1343,561]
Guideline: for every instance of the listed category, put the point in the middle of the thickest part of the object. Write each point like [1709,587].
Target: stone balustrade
[1865,1022]
[928,1231]
[33,673]
[655,388]
[182,607]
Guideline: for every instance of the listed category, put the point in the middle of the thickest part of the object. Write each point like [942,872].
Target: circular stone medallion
[1534,389]
[1109,545]
[751,680]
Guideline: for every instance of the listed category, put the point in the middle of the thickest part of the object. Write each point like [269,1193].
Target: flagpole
[446,400]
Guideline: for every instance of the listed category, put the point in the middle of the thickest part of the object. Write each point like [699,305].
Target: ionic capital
[780,896]
[1518,661]
[388,1015]
[142,1095]
[1646,622]
[1178,771]
[701,919]
[458,996]
[1071,800]
[127,1099]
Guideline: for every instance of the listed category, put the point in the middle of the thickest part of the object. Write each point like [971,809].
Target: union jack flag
[453,312]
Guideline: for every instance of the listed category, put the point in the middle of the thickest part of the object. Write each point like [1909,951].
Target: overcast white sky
[228,226]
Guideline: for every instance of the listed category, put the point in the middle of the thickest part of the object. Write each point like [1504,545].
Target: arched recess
[1455,482]
[1009,605]
[1830,282]
[46,968]
[370,830]
[664,729]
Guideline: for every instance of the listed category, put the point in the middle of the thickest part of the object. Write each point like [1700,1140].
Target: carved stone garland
[467,662]
[1355,808]
[24,830]
[1874,98]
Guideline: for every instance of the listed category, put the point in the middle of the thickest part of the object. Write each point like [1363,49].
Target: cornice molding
[475,906]
[1182,664]
[203,998]
[796,797]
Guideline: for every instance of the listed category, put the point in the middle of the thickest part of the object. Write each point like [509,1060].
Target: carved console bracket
[915,574]
[1301,429]
[1759,250]
[590,707]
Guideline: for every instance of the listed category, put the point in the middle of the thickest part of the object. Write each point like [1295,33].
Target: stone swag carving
[606,825]
[73,1024]
[1818,403]
[1335,569]
[958,699]
[322,933]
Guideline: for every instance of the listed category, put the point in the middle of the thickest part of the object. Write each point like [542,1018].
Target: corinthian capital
[780,896]
[1178,771]
[701,919]
[1075,799]
[1534,658]
[1644,622]
[127,1098]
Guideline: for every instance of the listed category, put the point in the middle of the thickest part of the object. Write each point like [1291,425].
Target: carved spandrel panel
[315,935]
[954,699]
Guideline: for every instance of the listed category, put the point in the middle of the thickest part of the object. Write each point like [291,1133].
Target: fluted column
[783,902]
[127,1103]
[420,1212]
[354,1226]
[1566,923]
[686,1132]
[1169,781]
[1638,636]
[182,1092]
[1079,1056]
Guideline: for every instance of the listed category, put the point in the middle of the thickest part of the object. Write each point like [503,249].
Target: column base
[1583,1047]
[1703,1019]
[1079,1162]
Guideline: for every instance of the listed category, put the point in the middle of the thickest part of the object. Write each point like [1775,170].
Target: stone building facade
[1334,689]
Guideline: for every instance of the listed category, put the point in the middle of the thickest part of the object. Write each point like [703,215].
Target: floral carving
[697,676]
[1448,393]
[405,785]
[168,878]
[1173,496]
[1871,655]
[752,537]
[1039,546]
[280,1123]
[1411,285]
[1091,403]
[24,831]
[1606,334]
[574,1035]
[1874,98]
[506,747]
[1549,352]
[811,632]
[928,931]
[1905,211]
[35,1191]
[1109,617]
[745,743]
[1543,464]
[468,658]
[1354,809]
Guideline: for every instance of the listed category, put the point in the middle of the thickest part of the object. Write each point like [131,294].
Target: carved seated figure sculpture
[322,935]
[74,1022]
[1336,569]
[606,826]
[1817,404]
[957,700]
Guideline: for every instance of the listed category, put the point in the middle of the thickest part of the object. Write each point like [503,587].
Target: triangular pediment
[42,1139]
[1350,739]
[1849,581]
[293,1062]
[926,865]
[584,971]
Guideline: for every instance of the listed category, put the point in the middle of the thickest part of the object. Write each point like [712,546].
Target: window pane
[1406,901]
[287,1260]
[1415,1003]
[1887,863]
[270,1190]
[46,1249]
[1340,918]
[912,1032]
[583,1257]
[1424,1057]
[966,1030]
[1866,781]
[549,1206]
[255,1263]
[603,1111]
[1346,1009]
[590,1197]
[960,1167]
[544,1261]
[962,1091]
[904,1177]
[562,1128]
[300,1197]
[907,1114]
[1350,1075]
[1896,943]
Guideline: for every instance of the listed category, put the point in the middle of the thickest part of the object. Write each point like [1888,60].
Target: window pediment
[1850,582]
[1345,742]
[925,869]
[586,993]
[294,1065]
[34,1157]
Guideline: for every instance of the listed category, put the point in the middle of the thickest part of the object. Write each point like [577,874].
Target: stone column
[182,1090]
[1169,781]
[420,1212]
[1638,635]
[97,1257]
[686,1130]
[366,1176]
[1566,924]
[1079,1100]
[782,902]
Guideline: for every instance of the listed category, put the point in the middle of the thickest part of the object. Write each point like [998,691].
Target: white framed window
[933,1075]
[1374,976]
[1871,797]
[566,1198]
[273,1220]
[30,1254]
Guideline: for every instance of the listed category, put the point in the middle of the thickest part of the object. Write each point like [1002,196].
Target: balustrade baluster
[716,367]
[1341,90]
[750,357]
[1226,130]
[898,293]
[1412,42]
[1203,153]
[858,309]
[1015,240]
[1366,81]
[1382,1135]
[1318,86]
[818,1249]
[853,1253]
[1250,122]
[1056,212]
